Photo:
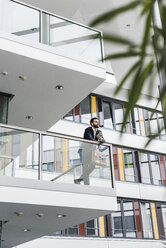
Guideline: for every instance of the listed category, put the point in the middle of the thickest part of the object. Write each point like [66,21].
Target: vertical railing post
[40,28]
[1,223]
[112,166]
[40,156]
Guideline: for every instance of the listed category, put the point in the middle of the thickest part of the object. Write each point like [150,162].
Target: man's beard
[96,126]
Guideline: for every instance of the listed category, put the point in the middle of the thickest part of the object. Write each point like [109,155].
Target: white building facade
[53,80]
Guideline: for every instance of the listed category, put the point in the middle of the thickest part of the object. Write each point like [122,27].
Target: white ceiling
[37,95]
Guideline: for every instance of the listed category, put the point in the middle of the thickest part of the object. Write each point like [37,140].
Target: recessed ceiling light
[19,213]
[40,215]
[29,117]
[26,230]
[60,215]
[23,78]
[59,87]
[4,73]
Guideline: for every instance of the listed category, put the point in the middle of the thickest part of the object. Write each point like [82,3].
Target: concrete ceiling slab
[29,209]
[37,96]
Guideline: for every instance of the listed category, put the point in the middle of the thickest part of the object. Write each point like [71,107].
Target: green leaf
[146,34]
[115,12]
[117,39]
[122,55]
[147,4]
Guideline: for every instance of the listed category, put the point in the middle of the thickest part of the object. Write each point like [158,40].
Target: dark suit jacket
[89,134]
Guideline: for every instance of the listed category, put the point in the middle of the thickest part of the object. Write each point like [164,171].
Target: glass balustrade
[47,157]
[65,37]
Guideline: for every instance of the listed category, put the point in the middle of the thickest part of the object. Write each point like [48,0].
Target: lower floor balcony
[50,182]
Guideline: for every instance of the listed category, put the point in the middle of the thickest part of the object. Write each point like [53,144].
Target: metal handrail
[58,135]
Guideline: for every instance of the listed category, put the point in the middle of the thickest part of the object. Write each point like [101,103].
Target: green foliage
[145,68]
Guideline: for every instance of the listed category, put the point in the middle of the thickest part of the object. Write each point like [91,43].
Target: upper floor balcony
[50,182]
[40,52]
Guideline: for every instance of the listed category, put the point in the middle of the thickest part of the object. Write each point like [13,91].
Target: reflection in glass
[108,120]
[144,167]
[129,165]
[146,220]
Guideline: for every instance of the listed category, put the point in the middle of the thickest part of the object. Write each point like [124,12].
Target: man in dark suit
[93,133]
[86,149]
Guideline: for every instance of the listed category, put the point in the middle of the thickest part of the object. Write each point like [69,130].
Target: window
[155,167]
[116,222]
[129,219]
[146,220]
[163,209]
[119,114]
[144,167]
[135,122]
[92,228]
[71,231]
[85,110]
[161,126]
[129,165]
[153,123]
[108,120]
[69,116]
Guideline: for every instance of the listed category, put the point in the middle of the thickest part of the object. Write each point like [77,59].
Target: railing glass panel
[72,161]
[67,38]
[38,155]
[19,19]
[19,153]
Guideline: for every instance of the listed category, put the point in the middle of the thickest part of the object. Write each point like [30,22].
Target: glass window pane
[92,228]
[144,166]
[108,120]
[163,209]
[161,126]
[153,123]
[69,116]
[85,110]
[155,165]
[119,114]
[147,123]
[135,121]
[129,219]
[146,220]
[129,165]
[116,223]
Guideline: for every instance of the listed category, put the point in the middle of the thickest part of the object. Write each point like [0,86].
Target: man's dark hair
[94,118]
